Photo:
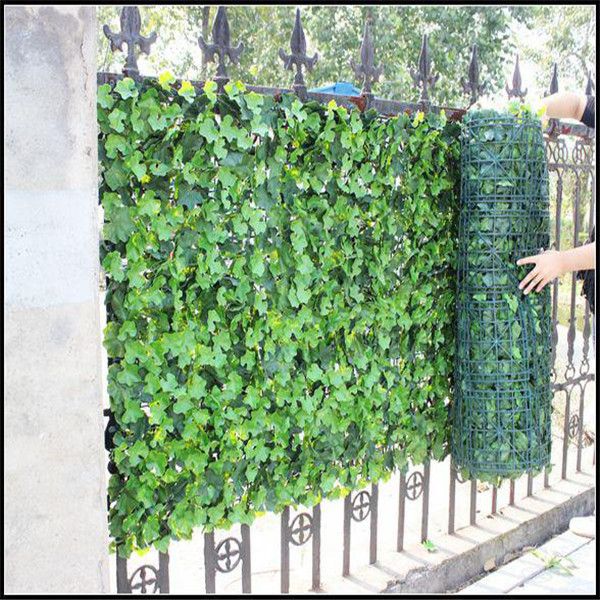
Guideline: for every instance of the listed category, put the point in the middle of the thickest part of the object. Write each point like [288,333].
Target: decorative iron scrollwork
[301,529]
[471,85]
[414,485]
[574,423]
[131,23]
[220,47]
[298,56]
[582,153]
[556,150]
[143,581]
[422,75]
[230,548]
[366,70]
[458,477]
[516,91]
[361,506]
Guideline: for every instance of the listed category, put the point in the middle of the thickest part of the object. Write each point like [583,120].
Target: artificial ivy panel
[503,399]
[280,301]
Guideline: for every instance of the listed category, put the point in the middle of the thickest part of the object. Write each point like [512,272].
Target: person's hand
[548,266]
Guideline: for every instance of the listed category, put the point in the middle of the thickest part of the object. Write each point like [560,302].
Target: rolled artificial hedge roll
[501,413]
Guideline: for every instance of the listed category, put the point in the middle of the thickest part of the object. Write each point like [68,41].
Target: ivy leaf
[166,79]
[126,88]
[187,91]
[116,119]
[210,88]
[105,98]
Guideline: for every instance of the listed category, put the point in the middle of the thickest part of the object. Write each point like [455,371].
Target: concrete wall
[55,537]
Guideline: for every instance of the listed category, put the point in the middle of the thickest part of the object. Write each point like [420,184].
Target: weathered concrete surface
[55,536]
[529,571]
[534,521]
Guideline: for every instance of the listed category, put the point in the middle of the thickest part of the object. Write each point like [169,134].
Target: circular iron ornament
[301,529]
[145,581]
[581,152]
[229,559]
[573,426]
[361,506]
[414,485]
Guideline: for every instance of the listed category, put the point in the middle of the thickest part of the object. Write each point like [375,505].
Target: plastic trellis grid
[501,415]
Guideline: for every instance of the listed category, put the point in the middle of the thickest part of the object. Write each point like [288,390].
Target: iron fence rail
[229,552]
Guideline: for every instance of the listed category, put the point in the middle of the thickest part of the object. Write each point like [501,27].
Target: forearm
[578,259]
[565,105]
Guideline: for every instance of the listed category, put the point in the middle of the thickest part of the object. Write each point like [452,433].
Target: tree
[335,32]
[566,35]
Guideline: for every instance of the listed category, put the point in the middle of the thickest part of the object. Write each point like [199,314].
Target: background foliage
[280,301]
[335,32]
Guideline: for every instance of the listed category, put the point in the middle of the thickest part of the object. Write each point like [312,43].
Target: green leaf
[166,79]
[210,88]
[126,88]
[187,91]
[105,99]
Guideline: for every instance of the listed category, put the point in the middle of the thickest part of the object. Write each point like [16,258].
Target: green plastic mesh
[501,415]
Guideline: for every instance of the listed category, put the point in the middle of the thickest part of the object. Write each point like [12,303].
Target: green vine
[280,301]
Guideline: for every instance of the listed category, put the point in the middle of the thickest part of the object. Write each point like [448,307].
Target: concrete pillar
[55,536]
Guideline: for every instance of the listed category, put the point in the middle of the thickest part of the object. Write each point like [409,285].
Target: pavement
[573,573]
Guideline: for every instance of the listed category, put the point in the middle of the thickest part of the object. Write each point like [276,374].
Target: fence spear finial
[366,70]
[131,23]
[298,56]
[422,75]
[472,85]
[516,91]
[220,47]
[553,81]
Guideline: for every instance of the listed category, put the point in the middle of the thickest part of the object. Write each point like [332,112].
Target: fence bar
[209,562]
[246,560]
[473,503]
[494,499]
[401,507]
[529,484]
[316,548]
[511,494]
[565,448]
[163,572]
[546,478]
[122,579]
[580,430]
[557,232]
[373,537]
[425,512]
[452,501]
[285,551]
[347,517]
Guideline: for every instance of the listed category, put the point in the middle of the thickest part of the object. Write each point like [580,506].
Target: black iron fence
[571,163]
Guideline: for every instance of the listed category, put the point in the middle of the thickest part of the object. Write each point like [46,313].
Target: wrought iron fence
[571,153]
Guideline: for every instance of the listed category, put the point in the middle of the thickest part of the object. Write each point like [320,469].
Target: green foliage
[502,404]
[280,298]
[562,564]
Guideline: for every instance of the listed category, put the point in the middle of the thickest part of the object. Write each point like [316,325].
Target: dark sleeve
[589,114]
[588,276]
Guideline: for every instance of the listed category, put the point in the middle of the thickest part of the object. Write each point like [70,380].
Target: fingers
[527,260]
[534,281]
[533,273]
[542,284]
